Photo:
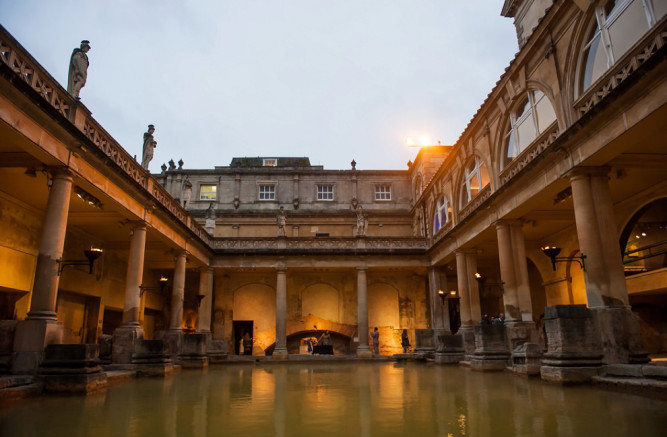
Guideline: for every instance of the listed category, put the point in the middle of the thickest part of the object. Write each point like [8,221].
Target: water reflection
[351,399]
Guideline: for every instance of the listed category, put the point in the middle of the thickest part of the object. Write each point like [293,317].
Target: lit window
[267,192]
[475,177]
[325,192]
[270,162]
[382,192]
[442,213]
[207,192]
[617,26]
[529,120]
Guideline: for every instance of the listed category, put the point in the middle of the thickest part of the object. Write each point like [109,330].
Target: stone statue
[187,192]
[362,222]
[78,69]
[149,146]
[210,219]
[281,221]
[210,212]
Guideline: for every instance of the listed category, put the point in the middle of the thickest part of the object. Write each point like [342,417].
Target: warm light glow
[163,279]
[477,275]
[440,292]
[95,249]
[453,292]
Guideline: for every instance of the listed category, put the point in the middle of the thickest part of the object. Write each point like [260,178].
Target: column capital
[281,268]
[60,172]
[508,222]
[467,251]
[361,268]
[137,224]
[586,172]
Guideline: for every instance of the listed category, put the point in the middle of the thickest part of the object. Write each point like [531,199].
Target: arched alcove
[321,300]
[383,306]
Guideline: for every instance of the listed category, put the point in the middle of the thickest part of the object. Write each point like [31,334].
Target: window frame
[442,205]
[273,191]
[382,193]
[215,192]
[318,192]
[269,162]
[477,166]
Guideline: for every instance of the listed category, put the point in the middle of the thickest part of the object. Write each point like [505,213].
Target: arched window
[529,120]
[644,239]
[442,214]
[475,177]
[618,24]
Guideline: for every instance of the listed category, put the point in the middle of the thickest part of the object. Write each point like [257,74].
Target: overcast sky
[332,80]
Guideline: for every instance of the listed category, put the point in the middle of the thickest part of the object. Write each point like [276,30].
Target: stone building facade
[568,150]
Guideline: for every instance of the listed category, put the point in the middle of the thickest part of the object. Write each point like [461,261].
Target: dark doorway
[240,328]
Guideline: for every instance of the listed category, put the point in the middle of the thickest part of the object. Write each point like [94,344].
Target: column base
[449,348]
[364,352]
[568,375]
[280,354]
[519,333]
[193,351]
[620,335]
[30,339]
[125,339]
[150,359]
[468,334]
[173,340]
[72,368]
[491,352]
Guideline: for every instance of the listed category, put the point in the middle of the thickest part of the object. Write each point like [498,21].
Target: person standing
[375,339]
[78,69]
[405,341]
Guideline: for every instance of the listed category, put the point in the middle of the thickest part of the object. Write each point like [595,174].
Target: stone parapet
[491,352]
[574,351]
[449,348]
[72,368]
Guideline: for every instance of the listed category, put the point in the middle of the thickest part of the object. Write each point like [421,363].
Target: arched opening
[475,178]
[644,246]
[296,342]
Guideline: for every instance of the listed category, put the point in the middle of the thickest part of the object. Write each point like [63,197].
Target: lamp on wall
[162,284]
[91,255]
[481,280]
[552,252]
[442,296]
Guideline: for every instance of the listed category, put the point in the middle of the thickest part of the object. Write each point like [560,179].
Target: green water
[339,399]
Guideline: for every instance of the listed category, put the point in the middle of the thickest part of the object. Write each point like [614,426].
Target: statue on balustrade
[78,69]
[281,221]
[362,222]
[149,147]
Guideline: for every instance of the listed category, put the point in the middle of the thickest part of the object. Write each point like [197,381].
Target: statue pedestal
[449,349]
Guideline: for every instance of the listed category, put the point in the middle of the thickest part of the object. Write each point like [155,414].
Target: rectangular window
[207,192]
[383,192]
[270,162]
[325,192]
[267,192]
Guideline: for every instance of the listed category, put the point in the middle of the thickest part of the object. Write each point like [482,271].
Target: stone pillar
[516,285]
[439,309]
[206,304]
[280,351]
[362,314]
[130,330]
[598,239]
[174,335]
[40,328]
[466,267]
[604,276]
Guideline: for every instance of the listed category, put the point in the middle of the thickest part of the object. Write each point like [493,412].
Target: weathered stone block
[124,339]
[193,351]
[620,335]
[30,338]
[7,329]
[72,368]
[449,349]
[568,375]
[424,341]
[526,359]
[491,352]
[105,342]
[151,360]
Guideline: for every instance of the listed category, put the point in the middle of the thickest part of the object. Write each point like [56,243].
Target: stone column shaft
[439,309]
[507,272]
[280,351]
[462,279]
[178,294]
[362,313]
[596,231]
[51,244]
[134,277]
[206,304]
[521,273]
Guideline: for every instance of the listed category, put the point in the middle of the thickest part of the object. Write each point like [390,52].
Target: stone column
[178,293]
[598,239]
[604,276]
[40,328]
[439,310]
[206,304]
[130,330]
[466,267]
[362,314]
[173,336]
[280,351]
[514,272]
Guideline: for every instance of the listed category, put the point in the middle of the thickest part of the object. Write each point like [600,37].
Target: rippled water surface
[339,399]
